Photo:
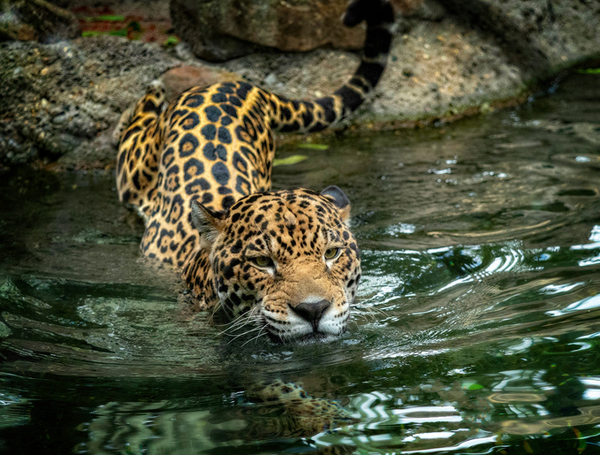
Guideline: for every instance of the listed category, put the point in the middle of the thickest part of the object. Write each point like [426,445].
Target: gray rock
[37,19]
[60,100]
[225,29]
[539,37]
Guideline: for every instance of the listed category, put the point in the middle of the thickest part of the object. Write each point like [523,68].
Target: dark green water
[476,330]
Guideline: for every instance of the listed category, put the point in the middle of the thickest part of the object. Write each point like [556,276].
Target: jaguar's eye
[331,253]
[263,261]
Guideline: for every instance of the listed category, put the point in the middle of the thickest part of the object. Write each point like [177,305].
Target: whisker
[230,331]
[377,310]
[216,309]
[231,322]
[254,329]
[241,321]
[258,335]
[367,316]
[370,310]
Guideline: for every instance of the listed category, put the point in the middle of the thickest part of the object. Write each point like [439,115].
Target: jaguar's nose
[312,311]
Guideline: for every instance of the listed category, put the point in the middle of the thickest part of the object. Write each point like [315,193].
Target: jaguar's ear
[339,199]
[208,222]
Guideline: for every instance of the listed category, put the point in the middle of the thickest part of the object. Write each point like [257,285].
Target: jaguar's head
[285,259]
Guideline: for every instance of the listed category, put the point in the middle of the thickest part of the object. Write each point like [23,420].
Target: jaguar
[198,170]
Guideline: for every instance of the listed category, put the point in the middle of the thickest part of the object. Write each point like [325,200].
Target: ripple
[476,329]
[516,397]
[588,415]
[590,303]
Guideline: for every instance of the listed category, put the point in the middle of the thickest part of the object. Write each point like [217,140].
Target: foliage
[171,40]
[311,146]
[294,159]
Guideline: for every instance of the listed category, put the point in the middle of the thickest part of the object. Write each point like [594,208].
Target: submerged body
[199,171]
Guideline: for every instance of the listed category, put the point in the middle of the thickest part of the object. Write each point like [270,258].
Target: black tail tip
[372,11]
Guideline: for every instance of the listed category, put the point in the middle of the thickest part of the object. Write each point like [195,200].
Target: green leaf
[89,33]
[171,41]
[289,160]
[109,18]
[590,71]
[122,32]
[471,385]
[311,146]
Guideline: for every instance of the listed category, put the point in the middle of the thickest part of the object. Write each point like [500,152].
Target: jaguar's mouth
[295,329]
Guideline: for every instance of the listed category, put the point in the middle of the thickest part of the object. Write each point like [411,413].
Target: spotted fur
[199,171]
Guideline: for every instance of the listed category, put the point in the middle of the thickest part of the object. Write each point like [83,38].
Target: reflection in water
[588,415]
[476,331]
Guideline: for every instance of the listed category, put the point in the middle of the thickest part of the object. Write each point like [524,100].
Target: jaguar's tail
[309,116]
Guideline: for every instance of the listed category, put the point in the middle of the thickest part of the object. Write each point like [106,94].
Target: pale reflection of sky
[592,388]
[587,246]
[402,228]
[559,288]
[433,435]
[463,445]
[591,382]
[408,415]
[512,259]
[591,394]
[595,238]
[591,261]
[589,303]
[521,381]
[523,346]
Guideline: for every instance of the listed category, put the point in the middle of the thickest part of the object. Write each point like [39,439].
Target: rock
[225,29]
[61,101]
[538,37]
[54,109]
[39,20]
[425,9]
[473,52]
[218,31]
[11,27]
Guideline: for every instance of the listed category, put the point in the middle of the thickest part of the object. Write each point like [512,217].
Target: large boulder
[60,100]
[36,20]
[448,59]
[540,37]
[224,29]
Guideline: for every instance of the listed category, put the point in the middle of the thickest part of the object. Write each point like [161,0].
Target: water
[476,330]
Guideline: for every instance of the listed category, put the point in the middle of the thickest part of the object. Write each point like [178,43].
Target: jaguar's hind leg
[140,146]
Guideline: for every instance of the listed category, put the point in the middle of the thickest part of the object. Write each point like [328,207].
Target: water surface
[475,331]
